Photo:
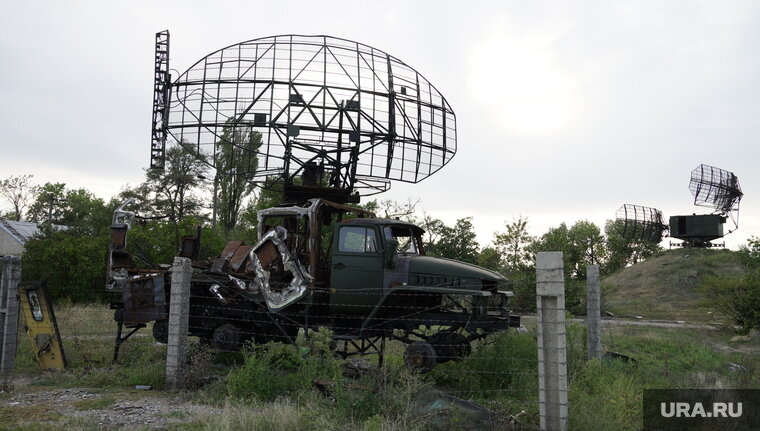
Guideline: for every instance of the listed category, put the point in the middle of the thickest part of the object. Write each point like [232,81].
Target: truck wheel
[227,338]
[161,331]
[420,356]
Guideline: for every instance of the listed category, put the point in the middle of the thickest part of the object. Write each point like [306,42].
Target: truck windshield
[407,241]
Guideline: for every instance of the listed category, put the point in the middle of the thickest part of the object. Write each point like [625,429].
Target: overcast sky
[565,110]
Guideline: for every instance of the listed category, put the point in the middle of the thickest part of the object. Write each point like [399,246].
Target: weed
[198,371]
[275,369]
[606,395]
[94,403]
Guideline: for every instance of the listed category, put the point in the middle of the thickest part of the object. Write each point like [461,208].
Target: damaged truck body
[318,264]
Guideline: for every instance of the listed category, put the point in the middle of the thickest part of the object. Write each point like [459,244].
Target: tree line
[174,201]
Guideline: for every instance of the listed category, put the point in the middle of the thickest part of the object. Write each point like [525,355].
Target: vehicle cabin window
[357,239]
[407,242]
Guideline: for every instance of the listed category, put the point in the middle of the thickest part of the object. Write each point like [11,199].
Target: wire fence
[481,359]
[499,371]
[494,367]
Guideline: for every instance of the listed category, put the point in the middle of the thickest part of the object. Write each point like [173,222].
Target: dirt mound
[667,286]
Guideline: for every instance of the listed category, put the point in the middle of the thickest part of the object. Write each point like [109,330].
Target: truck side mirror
[391,246]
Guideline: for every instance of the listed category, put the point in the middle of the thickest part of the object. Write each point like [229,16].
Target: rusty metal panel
[219,264]
[238,259]
[119,236]
[120,259]
[144,299]
[230,249]
[268,254]
[190,247]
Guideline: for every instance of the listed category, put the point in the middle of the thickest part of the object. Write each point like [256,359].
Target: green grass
[94,403]
[667,286]
[607,394]
[271,387]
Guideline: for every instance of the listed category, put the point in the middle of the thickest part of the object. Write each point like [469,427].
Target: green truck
[317,264]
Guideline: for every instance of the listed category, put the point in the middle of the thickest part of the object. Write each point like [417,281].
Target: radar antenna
[712,187]
[718,189]
[319,115]
[640,223]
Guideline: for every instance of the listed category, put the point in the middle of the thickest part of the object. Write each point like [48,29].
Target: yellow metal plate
[41,326]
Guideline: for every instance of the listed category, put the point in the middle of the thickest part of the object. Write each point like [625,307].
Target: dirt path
[97,408]
[748,345]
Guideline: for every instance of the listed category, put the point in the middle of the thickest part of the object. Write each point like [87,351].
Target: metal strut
[120,340]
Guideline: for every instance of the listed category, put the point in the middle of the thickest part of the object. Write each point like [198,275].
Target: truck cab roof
[383,222]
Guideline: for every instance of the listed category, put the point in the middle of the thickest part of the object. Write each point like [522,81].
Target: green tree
[389,208]
[76,209]
[20,192]
[513,245]
[581,245]
[73,264]
[490,258]
[555,239]
[433,228]
[558,239]
[587,247]
[458,242]
[49,204]
[172,188]
[236,158]
[623,251]
[153,241]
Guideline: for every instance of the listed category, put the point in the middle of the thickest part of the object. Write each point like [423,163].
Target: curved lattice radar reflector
[716,188]
[312,106]
[640,223]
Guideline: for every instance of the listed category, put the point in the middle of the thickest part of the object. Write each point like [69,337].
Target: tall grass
[607,394]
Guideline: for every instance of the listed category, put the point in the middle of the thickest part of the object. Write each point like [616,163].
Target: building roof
[22,231]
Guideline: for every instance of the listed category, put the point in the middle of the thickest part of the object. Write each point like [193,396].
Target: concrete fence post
[593,312]
[552,355]
[179,316]
[11,276]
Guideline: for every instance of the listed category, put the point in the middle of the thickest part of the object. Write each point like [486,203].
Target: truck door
[356,270]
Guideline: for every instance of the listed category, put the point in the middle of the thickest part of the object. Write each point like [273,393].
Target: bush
[505,367]
[72,264]
[737,298]
[524,288]
[282,373]
[606,395]
[274,370]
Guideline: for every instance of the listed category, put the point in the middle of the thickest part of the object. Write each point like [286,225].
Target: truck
[317,264]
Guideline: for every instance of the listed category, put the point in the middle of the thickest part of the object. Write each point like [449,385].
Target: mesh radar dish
[640,223]
[716,188]
[314,113]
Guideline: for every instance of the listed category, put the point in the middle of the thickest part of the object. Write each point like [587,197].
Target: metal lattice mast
[161,84]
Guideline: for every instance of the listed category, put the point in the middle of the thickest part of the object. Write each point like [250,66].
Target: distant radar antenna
[641,224]
[712,187]
[718,189]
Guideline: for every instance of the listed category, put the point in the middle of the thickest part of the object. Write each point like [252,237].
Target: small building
[14,235]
